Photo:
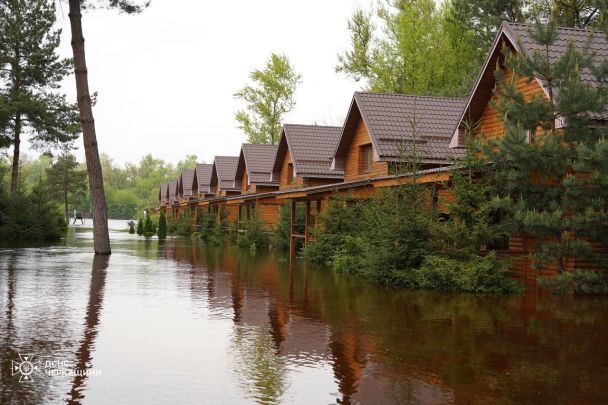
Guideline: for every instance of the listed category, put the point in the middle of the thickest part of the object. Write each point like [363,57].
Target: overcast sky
[165,78]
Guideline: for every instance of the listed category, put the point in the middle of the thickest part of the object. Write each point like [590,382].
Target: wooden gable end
[286,179]
[354,165]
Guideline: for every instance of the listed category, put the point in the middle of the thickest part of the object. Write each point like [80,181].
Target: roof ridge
[558,27]
[409,95]
[311,125]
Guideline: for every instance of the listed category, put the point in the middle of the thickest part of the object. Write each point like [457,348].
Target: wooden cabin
[304,156]
[201,181]
[163,194]
[254,169]
[184,185]
[223,176]
[381,131]
[480,115]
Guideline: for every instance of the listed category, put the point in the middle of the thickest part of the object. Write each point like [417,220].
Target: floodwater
[175,322]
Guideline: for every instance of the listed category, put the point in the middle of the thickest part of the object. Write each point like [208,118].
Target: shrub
[339,221]
[162,226]
[140,227]
[30,216]
[182,226]
[282,232]
[577,282]
[210,231]
[131,227]
[479,274]
[255,236]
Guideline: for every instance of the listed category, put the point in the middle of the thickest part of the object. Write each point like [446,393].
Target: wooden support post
[292,238]
[317,215]
[238,222]
[307,225]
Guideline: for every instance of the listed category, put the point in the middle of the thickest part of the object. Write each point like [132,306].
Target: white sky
[165,78]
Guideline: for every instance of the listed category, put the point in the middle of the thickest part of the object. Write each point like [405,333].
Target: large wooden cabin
[304,156]
[201,181]
[163,194]
[383,130]
[223,176]
[184,185]
[254,169]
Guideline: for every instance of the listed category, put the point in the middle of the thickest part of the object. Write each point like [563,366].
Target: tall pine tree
[65,180]
[30,74]
[551,167]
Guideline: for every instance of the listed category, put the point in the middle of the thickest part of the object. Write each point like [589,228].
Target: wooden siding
[319,181]
[244,186]
[268,214]
[490,124]
[284,183]
[353,158]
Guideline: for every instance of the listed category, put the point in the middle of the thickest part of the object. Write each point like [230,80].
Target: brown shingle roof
[185,183]
[258,160]
[163,193]
[225,170]
[202,176]
[172,190]
[518,37]
[396,123]
[312,149]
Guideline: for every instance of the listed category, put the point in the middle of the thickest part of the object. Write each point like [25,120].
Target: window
[289,173]
[365,158]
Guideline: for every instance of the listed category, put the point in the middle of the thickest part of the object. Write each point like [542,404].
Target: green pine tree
[553,179]
[66,182]
[140,227]
[149,229]
[31,72]
[162,226]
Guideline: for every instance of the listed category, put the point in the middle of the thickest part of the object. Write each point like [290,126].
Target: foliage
[552,181]
[140,227]
[149,228]
[162,226]
[255,236]
[131,227]
[210,230]
[410,47]
[268,99]
[281,234]
[577,282]
[65,182]
[478,274]
[31,71]
[182,226]
[30,216]
[339,221]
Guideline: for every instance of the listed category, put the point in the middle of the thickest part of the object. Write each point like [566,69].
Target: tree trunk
[101,237]
[16,147]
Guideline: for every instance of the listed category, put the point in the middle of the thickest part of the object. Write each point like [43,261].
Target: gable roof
[202,178]
[185,183]
[518,37]
[311,148]
[258,160]
[224,172]
[163,193]
[172,190]
[389,119]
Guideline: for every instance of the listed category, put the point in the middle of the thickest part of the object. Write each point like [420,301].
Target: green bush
[339,221]
[182,226]
[149,228]
[140,227]
[210,231]
[577,282]
[479,274]
[30,216]
[131,227]
[162,226]
[255,236]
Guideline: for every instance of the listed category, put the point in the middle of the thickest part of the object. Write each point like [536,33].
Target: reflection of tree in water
[258,365]
[83,355]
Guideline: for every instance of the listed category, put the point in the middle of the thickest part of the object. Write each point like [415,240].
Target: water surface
[175,322]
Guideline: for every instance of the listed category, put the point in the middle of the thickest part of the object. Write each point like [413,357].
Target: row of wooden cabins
[311,163]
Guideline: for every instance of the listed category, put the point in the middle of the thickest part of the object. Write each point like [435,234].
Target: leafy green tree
[553,180]
[140,227]
[409,47]
[65,180]
[30,74]
[268,98]
[162,226]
